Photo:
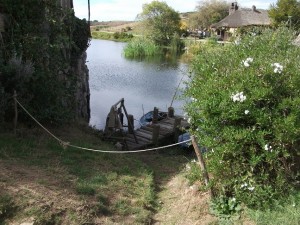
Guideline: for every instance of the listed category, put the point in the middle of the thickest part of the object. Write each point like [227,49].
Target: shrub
[245,99]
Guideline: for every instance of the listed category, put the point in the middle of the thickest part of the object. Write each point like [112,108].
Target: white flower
[247,62]
[277,67]
[247,112]
[244,185]
[194,161]
[268,147]
[250,60]
[250,188]
[238,97]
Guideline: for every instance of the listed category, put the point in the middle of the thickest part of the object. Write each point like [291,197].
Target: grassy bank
[113,36]
[56,185]
[42,181]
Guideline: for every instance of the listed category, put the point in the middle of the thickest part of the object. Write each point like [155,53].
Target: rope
[38,122]
[66,144]
[133,151]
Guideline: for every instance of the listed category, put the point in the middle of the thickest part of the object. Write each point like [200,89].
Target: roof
[245,17]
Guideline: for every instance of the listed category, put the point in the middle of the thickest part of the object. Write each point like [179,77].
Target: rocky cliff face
[83,90]
[46,37]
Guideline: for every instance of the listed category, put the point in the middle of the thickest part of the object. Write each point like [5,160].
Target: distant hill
[114,26]
[118,26]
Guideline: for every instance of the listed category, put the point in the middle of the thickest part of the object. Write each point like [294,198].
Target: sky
[111,10]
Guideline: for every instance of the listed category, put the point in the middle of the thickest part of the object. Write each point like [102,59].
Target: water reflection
[143,84]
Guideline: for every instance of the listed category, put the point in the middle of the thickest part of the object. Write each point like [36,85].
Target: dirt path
[180,204]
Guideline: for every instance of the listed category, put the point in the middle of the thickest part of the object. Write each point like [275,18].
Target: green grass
[116,36]
[7,207]
[116,185]
[284,212]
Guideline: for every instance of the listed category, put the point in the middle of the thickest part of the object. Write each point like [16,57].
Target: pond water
[144,84]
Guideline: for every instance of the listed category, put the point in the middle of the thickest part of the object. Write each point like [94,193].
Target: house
[240,17]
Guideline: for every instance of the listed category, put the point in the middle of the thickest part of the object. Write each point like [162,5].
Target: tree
[208,12]
[286,11]
[161,22]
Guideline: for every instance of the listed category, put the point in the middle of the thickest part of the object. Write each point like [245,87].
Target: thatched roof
[245,17]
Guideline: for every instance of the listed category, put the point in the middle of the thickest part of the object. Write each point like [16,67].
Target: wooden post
[176,128]
[130,124]
[202,163]
[155,115]
[155,134]
[170,112]
[16,112]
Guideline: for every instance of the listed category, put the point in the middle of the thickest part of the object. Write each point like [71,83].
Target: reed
[141,46]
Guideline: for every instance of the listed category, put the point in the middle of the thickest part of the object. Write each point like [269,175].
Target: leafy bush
[245,99]
[122,36]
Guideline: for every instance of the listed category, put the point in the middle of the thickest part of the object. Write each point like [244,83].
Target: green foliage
[117,36]
[122,36]
[193,173]
[7,206]
[41,43]
[141,46]
[224,207]
[161,22]
[286,12]
[102,35]
[245,109]
[283,212]
[208,12]
[176,43]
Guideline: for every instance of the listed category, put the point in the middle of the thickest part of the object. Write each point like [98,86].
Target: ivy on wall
[41,43]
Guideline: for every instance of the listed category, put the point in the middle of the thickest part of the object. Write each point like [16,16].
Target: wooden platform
[144,134]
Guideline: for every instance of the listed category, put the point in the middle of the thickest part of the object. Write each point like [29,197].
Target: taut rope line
[65,144]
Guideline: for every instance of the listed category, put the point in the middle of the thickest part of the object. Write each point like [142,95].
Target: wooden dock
[153,134]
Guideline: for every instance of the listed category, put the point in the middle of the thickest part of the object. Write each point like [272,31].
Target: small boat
[185,137]
[148,117]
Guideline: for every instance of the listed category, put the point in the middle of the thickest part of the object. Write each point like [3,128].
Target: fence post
[155,133]
[130,124]
[16,112]
[201,162]
[176,128]
[155,115]
[170,112]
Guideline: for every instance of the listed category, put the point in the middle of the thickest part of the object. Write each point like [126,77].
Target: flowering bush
[246,103]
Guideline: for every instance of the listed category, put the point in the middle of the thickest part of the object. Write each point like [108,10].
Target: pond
[144,84]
